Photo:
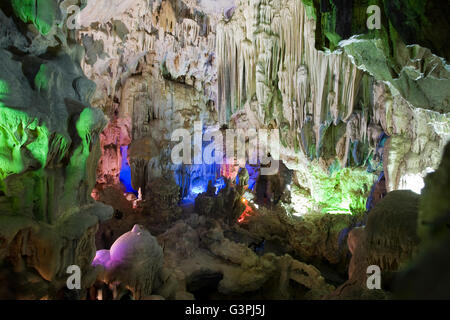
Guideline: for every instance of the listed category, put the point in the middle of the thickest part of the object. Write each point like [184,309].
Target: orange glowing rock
[247,211]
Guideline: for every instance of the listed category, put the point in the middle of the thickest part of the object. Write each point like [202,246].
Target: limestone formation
[118,119]
[426,276]
[389,240]
[133,262]
[49,152]
[206,252]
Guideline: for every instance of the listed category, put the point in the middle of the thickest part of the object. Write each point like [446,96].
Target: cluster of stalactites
[268,49]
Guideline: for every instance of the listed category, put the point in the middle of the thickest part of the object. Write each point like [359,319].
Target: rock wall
[49,152]
[154,66]
[334,106]
[349,103]
[205,251]
[389,241]
[279,64]
[426,276]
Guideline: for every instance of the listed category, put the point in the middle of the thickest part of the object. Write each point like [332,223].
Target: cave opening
[204,284]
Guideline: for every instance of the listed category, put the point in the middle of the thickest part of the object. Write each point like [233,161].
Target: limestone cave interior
[224,150]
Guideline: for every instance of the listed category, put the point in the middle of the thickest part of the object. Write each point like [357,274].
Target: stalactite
[277,54]
[269,68]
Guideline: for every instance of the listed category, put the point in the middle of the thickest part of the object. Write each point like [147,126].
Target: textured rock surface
[332,105]
[163,66]
[349,104]
[154,66]
[376,102]
[205,251]
[304,236]
[133,262]
[49,146]
[389,240]
[427,277]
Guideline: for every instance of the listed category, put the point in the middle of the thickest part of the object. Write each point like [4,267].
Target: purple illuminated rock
[133,262]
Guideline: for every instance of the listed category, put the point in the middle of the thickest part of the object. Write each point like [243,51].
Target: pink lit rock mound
[132,263]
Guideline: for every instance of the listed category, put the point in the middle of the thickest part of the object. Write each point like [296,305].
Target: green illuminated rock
[49,148]
[342,191]
[41,79]
[41,13]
